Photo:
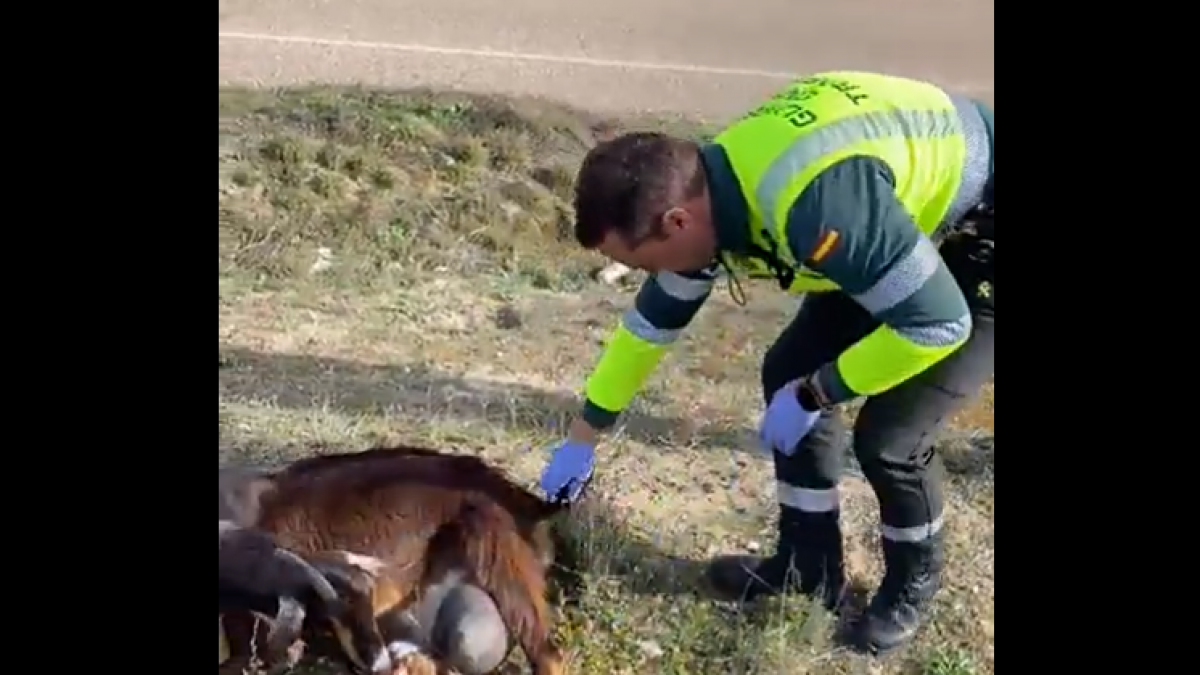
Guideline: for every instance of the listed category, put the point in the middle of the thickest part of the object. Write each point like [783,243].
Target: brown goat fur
[456,472]
[424,515]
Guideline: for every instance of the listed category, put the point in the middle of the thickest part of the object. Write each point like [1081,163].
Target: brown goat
[457,472]
[423,517]
[427,516]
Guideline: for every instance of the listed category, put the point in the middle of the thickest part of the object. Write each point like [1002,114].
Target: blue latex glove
[570,467]
[786,422]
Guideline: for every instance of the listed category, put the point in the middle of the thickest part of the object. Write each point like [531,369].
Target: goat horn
[319,583]
[289,620]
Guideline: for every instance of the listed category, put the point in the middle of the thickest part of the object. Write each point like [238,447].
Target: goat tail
[505,566]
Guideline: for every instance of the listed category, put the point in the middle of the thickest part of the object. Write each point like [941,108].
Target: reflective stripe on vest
[807,149]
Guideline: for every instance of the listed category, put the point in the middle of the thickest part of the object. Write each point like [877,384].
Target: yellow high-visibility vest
[777,149]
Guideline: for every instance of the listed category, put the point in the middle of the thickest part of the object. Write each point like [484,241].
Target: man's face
[686,242]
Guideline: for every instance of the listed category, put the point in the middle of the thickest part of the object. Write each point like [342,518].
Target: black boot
[808,559]
[913,577]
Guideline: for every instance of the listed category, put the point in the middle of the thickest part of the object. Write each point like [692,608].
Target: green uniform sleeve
[886,264]
[665,304]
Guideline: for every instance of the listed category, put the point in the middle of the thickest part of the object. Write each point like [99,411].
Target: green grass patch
[364,187]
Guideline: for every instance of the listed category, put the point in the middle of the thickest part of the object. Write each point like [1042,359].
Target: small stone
[753,546]
[323,262]
[511,210]
[613,273]
[650,649]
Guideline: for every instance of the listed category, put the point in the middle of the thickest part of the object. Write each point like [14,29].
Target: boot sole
[876,650]
[852,638]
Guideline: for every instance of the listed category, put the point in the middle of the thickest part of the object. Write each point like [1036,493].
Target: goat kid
[350,615]
[254,574]
[454,620]
[430,521]
[358,636]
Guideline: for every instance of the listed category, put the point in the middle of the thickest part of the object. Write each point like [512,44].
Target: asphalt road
[710,58]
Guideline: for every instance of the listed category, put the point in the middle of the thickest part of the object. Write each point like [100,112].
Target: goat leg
[238,631]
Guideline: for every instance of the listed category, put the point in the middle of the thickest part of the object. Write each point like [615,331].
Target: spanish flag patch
[824,246]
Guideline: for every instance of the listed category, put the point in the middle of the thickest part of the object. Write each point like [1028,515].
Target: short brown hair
[626,184]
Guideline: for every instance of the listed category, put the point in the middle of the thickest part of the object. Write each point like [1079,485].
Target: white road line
[512,56]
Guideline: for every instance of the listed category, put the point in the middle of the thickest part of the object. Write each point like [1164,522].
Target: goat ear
[347,563]
[371,565]
[349,580]
[257,490]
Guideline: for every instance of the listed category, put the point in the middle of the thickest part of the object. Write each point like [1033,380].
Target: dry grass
[394,267]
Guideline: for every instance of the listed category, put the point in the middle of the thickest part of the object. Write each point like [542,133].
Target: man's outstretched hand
[569,470]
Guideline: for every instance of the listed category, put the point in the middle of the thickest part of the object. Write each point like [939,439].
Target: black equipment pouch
[970,253]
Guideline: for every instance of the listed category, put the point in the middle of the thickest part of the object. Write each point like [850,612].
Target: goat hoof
[294,653]
[408,660]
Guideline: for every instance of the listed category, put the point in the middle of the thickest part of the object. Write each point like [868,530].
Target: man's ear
[676,219]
